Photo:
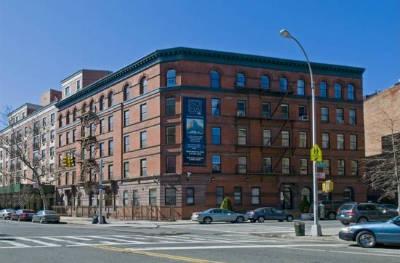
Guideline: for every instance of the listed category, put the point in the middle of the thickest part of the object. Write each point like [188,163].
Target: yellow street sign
[316,153]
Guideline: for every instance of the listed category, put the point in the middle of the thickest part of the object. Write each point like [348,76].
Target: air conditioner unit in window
[304,118]
[240,114]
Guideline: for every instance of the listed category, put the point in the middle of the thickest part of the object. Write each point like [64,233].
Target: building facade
[181,129]
[27,144]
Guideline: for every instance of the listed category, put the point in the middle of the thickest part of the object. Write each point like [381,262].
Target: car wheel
[289,218]
[261,219]
[362,220]
[240,219]
[332,216]
[345,223]
[366,239]
[207,220]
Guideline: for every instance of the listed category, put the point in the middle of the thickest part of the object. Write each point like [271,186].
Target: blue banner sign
[194,135]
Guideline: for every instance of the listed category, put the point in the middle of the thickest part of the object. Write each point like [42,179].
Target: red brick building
[181,129]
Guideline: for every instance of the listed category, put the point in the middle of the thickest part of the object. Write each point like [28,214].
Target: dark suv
[362,212]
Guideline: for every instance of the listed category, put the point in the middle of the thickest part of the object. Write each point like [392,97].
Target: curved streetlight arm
[306,56]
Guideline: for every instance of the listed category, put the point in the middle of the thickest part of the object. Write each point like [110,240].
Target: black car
[268,213]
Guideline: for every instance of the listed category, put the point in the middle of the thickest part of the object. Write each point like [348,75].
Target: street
[173,242]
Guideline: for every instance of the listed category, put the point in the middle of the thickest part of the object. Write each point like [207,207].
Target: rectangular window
[73,135]
[60,140]
[143,112]
[170,106]
[267,137]
[324,114]
[126,143]
[170,196]
[216,107]
[237,195]
[267,165]
[325,140]
[350,92]
[126,118]
[143,167]
[354,168]
[216,163]
[302,139]
[339,116]
[285,111]
[255,195]
[338,91]
[353,142]
[189,196]
[52,135]
[101,149]
[241,108]
[78,85]
[303,113]
[326,167]
[352,117]
[135,198]
[219,195]
[242,136]
[143,139]
[170,135]
[126,169]
[303,167]
[52,119]
[171,164]
[266,110]
[300,87]
[67,138]
[216,135]
[110,123]
[285,166]
[110,148]
[323,89]
[110,172]
[242,165]
[52,152]
[101,124]
[340,167]
[285,138]
[340,142]
[153,197]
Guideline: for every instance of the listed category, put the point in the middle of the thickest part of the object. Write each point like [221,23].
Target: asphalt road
[27,242]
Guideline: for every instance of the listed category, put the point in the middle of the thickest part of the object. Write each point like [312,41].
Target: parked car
[23,215]
[368,235]
[6,213]
[330,209]
[268,213]
[46,216]
[362,213]
[389,207]
[218,215]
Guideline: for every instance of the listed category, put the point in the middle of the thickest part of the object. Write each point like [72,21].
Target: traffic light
[72,161]
[327,186]
[65,161]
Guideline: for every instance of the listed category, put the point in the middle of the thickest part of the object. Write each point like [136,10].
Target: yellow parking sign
[316,153]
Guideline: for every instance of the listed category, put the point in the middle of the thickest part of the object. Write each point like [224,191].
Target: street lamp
[316,227]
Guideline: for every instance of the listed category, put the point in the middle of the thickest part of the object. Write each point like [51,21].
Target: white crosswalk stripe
[134,239]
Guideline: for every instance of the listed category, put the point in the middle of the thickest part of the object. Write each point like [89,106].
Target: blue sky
[41,42]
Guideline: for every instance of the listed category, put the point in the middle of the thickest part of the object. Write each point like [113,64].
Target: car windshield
[346,207]
[49,212]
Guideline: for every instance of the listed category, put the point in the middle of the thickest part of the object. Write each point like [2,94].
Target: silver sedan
[46,216]
[218,215]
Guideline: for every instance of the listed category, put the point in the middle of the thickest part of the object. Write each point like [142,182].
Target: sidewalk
[116,222]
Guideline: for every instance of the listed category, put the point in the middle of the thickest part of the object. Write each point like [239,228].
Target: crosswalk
[12,242]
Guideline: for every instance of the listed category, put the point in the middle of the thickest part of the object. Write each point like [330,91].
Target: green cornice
[209,56]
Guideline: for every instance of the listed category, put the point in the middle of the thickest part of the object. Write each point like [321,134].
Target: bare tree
[21,145]
[382,170]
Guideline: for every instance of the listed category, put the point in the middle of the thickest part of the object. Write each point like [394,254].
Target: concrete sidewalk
[116,222]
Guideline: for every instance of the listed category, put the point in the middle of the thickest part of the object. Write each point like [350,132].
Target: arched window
[348,194]
[74,112]
[350,92]
[143,86]
[83,109]
[283,84]
[171,78]
[101,103]
[60,121]
[110,101]
[214,79]
[92,108]
[323,89]
[306,193]
[264,82]
[126,92]
[338,91]
[240,80]
[67,118]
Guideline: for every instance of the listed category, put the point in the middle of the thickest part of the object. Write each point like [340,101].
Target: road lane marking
[78,238]
[73,243]
[37,242]
[157,255]
[117,239]
[15,244]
